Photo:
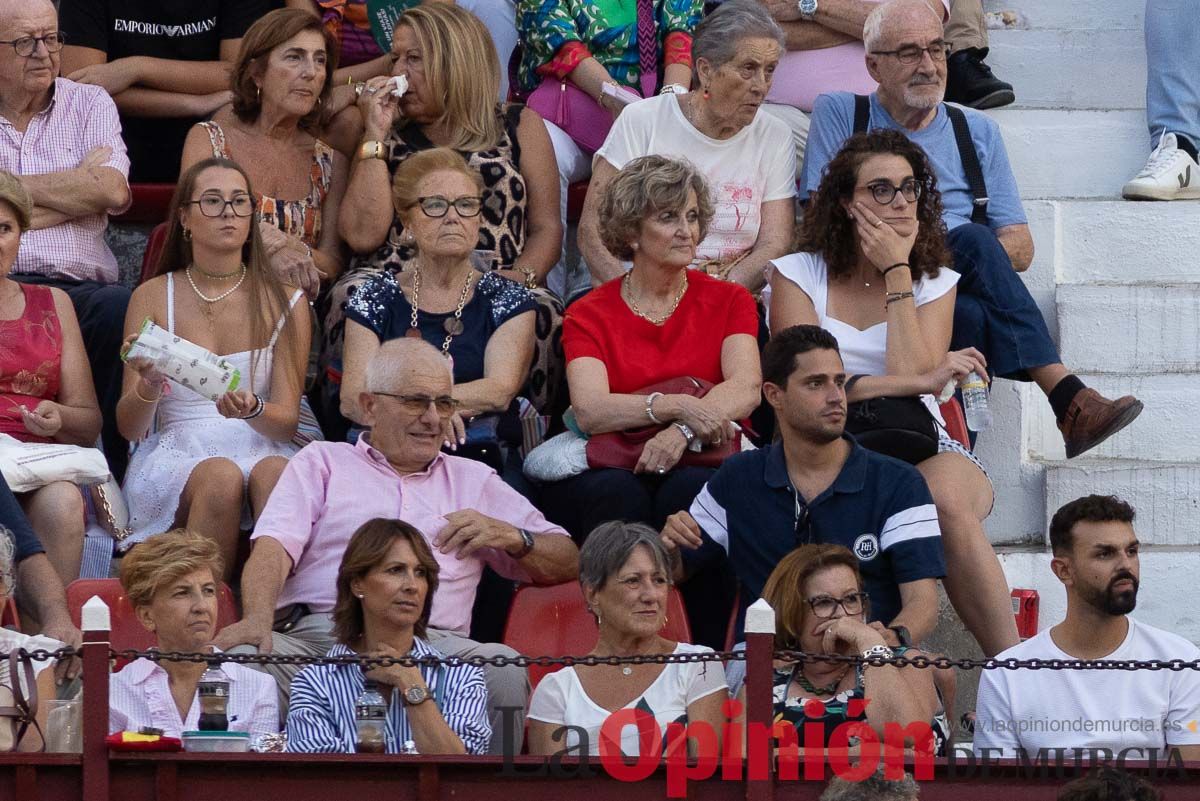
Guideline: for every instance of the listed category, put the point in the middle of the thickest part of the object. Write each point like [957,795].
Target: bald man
[468,514]
[63,140]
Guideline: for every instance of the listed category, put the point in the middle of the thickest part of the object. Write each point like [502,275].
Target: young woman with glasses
[202,462]
[820,608]
[482,322]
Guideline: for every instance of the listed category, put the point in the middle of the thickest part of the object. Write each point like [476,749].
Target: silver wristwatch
[693,444]
[878,652]
[808,9]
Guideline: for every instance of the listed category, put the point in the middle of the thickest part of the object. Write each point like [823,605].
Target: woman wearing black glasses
[481,321]
[820,608]
[871,271]
[201,462]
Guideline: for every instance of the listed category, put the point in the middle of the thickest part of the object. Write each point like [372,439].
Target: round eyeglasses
[214,205]
[26,45]
[437,206]
[884,192]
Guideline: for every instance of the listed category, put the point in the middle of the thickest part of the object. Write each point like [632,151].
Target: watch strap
[527,547]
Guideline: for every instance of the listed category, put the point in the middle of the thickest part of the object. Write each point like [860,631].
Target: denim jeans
[1172,77]
[995,312]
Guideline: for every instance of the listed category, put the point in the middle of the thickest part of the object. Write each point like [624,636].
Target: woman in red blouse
[659,321]
[46,392]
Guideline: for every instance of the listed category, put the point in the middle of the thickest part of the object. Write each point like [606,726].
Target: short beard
[1113,604]
[914,99]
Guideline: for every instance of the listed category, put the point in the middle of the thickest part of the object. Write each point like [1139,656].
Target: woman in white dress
[202,461]
[626,578]
[870,272]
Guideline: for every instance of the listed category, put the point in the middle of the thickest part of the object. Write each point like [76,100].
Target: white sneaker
[1169,174]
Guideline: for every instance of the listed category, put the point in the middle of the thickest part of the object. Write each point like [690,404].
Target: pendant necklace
[453,325]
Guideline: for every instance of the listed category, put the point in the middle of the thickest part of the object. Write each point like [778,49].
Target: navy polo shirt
[878,507]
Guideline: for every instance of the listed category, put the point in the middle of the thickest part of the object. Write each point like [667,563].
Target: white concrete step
[1074,154]
[1165,496]
[1166,431]
[1143,330]
[1080,69]
[1074,14]
[1018,516]
[1118,241]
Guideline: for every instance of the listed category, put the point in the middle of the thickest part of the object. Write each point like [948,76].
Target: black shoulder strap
[970,162]
[862,113]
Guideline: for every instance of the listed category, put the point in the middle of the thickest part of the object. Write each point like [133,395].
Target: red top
[638,353]
[30,360]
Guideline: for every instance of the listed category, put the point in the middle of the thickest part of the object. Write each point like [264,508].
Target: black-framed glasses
[214,205]
[884,192]
[824,606]
[938,51]
[444,405]
[437,206]
[26,45]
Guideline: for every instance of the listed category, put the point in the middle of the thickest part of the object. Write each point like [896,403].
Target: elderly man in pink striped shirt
[470,516]
[63,140]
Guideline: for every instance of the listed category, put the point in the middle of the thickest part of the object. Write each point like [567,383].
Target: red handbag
[623,449]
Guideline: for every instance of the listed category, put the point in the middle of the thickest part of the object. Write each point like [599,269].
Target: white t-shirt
[561,700]
[754,166]
[1114,709]
[863,352]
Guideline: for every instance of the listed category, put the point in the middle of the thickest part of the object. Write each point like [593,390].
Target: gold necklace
[453,325]
[633,305]
[223,295]
[220,276]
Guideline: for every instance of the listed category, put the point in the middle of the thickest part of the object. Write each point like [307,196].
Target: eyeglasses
[884,192]
[823,606]
[938,51]
[26,45]
[437,206]
[444,405]
[214,205]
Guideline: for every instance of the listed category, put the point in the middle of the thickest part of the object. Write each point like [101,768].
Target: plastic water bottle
[214,698]
[975,402]
[370,720]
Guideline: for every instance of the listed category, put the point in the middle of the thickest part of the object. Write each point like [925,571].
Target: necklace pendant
[454,326]
[413,333]
[627,670]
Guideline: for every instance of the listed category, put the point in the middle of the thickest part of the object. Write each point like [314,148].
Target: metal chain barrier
[923,662]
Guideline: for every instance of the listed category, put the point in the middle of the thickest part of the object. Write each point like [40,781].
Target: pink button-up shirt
[329,489]
[140,695]
[78,119]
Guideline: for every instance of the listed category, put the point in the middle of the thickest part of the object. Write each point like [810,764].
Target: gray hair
[609,546]
[8,551]
[873,788]
[877,19]
[394,358]
[718,35]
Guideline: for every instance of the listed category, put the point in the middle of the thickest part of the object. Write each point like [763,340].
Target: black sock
[1063,393]
[1187,146]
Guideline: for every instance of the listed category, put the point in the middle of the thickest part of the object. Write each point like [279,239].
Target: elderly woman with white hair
[626,579]
[746,156]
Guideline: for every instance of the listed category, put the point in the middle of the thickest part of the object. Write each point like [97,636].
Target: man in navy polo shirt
[817,485]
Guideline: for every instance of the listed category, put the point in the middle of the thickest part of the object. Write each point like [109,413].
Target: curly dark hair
[828,229]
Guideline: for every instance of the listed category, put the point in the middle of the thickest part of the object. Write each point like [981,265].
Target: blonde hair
[164,558]
[462,70]
[14,193]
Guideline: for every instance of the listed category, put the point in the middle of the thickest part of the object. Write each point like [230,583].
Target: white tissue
[397,85]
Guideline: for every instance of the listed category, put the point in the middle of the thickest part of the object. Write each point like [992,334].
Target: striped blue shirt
[321,707]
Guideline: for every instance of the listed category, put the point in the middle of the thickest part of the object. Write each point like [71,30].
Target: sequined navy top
[380,306]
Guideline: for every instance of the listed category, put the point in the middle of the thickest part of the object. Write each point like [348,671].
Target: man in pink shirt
[470,516]
[63,140]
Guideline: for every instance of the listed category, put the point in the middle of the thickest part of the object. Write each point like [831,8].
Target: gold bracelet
[144,399]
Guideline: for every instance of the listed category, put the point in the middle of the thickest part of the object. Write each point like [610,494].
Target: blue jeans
[1172,77]
[995,312]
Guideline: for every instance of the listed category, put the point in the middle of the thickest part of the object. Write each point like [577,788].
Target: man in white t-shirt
[746,156]
[1141,714]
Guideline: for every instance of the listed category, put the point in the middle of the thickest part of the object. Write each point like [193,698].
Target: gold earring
[187,234]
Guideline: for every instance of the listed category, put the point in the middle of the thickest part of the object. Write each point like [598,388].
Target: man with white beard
[988,231]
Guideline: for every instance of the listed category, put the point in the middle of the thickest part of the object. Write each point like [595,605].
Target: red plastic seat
[127,632]
[956,423]
[554,621]
[149,203]
[576,193]
[154,246]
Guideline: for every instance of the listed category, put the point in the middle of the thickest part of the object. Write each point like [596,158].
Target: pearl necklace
[220,297]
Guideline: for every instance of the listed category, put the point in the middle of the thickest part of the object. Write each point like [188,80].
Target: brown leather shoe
[1093,418]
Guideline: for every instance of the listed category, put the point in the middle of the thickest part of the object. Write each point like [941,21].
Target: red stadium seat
[154,246]
[127,632]
[9,619]
[576,192]
[149,204]
[554,621]
[956,423]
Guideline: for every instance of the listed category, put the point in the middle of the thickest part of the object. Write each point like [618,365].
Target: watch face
[808,6]
[415,695]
